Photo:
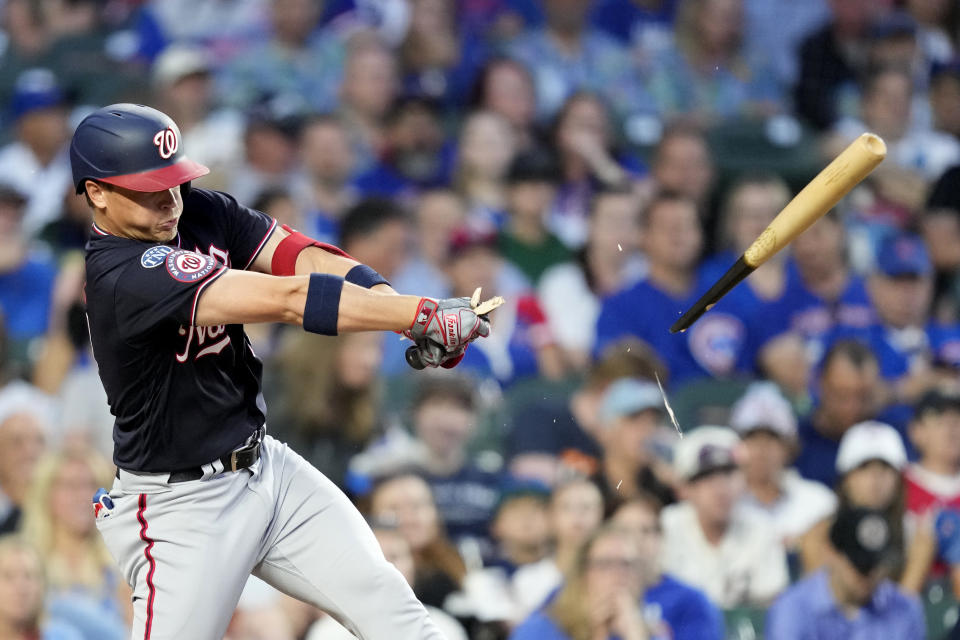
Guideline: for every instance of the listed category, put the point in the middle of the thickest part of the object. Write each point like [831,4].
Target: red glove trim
[284,261]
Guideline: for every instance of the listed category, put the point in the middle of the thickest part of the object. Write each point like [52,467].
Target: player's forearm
[370,310]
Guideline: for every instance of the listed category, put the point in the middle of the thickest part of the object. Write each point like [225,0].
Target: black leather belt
[236,460]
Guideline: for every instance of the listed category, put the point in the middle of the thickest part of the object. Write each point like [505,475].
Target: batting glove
[441,331]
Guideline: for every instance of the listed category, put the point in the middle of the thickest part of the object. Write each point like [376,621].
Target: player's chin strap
[284,261]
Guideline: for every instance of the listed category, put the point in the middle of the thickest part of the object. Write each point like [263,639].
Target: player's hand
[449,323]
[430,354]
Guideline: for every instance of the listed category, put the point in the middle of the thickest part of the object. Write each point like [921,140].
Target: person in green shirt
[524,239]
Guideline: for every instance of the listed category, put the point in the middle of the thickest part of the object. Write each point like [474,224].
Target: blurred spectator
[682,164]
[853,596]
[443,417]
[21,595]
[945,97]
[710,74]
[525,240]
[520,527]
[83,584]
[848,389]
[368,90]
[263,613]
[269,151]
[521,346]
[438,213]
[68,232]
[505,87]
[886,110]
[869,468]
[36,163]
[26,280]
[753,200]
[904,341]
[673,608]
[713,541]
[297,63]
[940,225]
[328,167]
[672,240]
[775,29]
[414,155]
[26,417]
[830,60]
[585,143]
[567,54]
[933,481]
[575,512]
[571,293]
[438,62]
[768,430]
[551,437]
[646,26]
[937,24]
[404,500]
[280,204]
[375,232]
[183,88]
[821,292]
[225,31]
[325,397]
[636,443]
[484,154]
[602,595]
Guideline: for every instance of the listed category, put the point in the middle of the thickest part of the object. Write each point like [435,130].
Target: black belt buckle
[245,457]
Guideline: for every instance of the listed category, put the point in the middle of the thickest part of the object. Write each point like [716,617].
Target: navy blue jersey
[182,395]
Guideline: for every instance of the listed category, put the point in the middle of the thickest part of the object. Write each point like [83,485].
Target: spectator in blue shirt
[672,239]
[567,55]
[602,595]
[26,280]
[852,599]
[848,388]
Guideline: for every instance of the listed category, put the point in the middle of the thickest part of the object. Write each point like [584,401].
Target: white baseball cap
[764,407]
[179,61]
[871,440]
[703,450]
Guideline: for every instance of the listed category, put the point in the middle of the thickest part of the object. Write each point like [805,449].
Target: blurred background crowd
[597,163]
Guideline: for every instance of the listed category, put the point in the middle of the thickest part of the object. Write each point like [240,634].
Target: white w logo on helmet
[167,142]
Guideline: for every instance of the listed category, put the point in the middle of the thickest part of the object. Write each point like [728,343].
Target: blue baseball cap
[628,396]
[35,89]
[903,254]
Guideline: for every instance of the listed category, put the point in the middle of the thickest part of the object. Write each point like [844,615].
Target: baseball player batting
[203,496]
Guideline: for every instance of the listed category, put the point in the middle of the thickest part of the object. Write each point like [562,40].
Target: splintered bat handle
[730,279]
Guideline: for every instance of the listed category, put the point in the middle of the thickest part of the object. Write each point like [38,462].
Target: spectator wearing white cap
[635,442]
[25,418]
[183,88]
[870,463]
[711,539]
[768,428]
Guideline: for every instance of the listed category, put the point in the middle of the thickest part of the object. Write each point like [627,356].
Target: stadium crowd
[598,163]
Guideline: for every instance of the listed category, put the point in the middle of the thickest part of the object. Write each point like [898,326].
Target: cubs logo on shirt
[155,256]
[189,266]
[715,342]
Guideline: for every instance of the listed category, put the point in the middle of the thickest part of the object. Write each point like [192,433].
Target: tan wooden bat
[819,196]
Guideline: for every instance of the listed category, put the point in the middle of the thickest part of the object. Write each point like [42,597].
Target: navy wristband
[322,309]
[364,276]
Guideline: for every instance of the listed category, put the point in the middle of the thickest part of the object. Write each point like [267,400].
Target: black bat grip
[720,288]
[413,358]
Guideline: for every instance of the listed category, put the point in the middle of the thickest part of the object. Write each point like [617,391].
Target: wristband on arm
[322,309]
[284,261]
[364,276]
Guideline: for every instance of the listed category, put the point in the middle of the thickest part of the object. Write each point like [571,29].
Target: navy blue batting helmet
[131,146]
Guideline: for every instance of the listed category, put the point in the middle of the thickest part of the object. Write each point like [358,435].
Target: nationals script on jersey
[181,394]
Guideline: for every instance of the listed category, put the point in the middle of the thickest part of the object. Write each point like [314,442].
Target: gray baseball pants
[187,548]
